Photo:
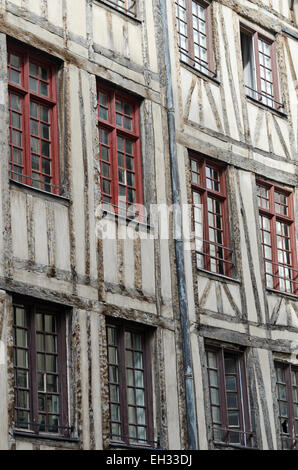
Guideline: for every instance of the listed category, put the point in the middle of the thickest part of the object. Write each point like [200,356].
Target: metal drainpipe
[179,249]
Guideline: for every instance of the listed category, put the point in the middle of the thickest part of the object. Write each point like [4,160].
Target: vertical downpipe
[179,249]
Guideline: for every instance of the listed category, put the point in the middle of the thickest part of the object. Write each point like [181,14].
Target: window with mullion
[120,159]
[129,382]
[193,19]
[228,397]
[210,213]
[40,371]
[33,120]
[278,237]
[287,397]
[260,68]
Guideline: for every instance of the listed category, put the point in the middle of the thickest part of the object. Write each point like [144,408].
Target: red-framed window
[277,224]
[210,214]
[228,396]
[120,151]
[287,397]
[194,27]
[130,384]
[40,369]
[260,67]
[33,121]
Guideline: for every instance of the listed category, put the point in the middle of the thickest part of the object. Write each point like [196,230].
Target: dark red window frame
[287,397]
[40,353]
[228,396]
[126,397]
[37,133]
[260,43]
[120,151]
[195,35]
[279,275]
[214,255]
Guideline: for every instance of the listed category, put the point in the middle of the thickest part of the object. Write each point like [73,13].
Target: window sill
[282,294]
[126,14]
[268,108]
[118,217]
[44,194]
[233,446]
[48,437]
[121,445]
[218,277]
[200,74]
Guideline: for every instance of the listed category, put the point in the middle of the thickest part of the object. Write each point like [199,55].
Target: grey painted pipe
[179,249]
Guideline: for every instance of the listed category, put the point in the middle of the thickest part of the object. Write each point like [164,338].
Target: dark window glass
[129,385]
[287,396]
[33,120]
[260,69]
[40,370]
[120,158]
[193,19]
[277,224]
[228,397]
[210,212]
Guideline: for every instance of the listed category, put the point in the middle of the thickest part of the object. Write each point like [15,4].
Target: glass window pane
[113,374]
[138,363]
[216,414]
[131,415]
[21,338]
[53,423]
[130,377]
[50,343]
[213,377]
[141,416]
[33,84]
[130,396]
[41,402]
[21,317]
[16,103]
[140,397]
[115,412]
[233,418]
[15,61]
[15,77]
[214,396]
[51,363]
[230,365]
[22,358]
[52,383]
[22,399]
[114,393]
[22,379]
[139,378]
[232,400]
[44,89]
[33,69]
[231,383]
